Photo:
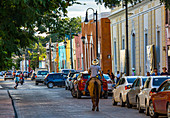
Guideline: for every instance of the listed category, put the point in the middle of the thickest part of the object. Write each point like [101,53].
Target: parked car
[68,80]
[1,74]
[67,71]
[74,78]
[39,78]
[18,72]
[109,83]
[79,85]
[8,75]
[145,94]
[54,79]
[121,89]
[132,95]
[160,100]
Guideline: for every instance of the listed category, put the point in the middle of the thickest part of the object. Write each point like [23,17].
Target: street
[33,101]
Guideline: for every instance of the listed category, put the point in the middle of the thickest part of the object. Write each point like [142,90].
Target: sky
[80,10]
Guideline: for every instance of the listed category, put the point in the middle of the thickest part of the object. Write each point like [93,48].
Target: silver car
[146,92]
[39,78]
[8,76]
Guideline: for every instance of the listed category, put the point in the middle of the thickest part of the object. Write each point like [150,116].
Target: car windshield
[131,80]
[144,80]
[42,73]
[158,81]
[86,76]
[67,71]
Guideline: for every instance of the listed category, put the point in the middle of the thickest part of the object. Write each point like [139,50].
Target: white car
[121,89]
[8,75]
[39,78]
[146,93]
[68,80]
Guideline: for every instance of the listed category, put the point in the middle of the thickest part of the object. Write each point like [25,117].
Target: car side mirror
[154,90]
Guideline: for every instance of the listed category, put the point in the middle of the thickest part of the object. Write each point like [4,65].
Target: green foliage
[18,18]
[111,3]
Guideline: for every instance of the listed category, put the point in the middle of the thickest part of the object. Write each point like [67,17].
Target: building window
[158,51]
[123,44]
[145,51]
[133,51]
[115,56]
[78,62]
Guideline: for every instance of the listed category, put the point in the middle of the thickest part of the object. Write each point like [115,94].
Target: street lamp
[86,21]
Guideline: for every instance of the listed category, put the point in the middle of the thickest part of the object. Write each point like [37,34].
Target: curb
[16,115]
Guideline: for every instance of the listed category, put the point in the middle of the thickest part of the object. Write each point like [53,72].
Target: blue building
[62,56]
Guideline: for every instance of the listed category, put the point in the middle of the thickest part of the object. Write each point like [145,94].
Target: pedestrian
[133,72]
[156,73]
[112,76]
[148,74]
[16,81]
[108,72]
[117,77]
[164,71]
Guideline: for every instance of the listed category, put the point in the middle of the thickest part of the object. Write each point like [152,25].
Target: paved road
[33,101]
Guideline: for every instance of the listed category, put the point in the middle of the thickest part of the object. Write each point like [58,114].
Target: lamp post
[86,21]
[127,52]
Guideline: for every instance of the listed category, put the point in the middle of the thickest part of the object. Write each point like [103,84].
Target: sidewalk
[6,108]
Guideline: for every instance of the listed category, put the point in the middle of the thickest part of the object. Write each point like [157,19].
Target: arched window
[133,51]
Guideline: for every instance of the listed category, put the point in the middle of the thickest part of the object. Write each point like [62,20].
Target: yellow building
[146,29]
[68,60]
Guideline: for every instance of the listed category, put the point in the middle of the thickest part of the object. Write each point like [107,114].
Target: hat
[95,62]
[164,68]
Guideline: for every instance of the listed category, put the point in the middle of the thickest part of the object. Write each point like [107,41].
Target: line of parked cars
[150,94]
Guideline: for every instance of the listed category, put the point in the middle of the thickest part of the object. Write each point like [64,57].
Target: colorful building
[62,56]
[78,53]
[68,56]
[104,42]
[146,31]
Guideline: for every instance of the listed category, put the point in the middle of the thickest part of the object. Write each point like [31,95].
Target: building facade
[62,56]
[168,38]
[146,37]
[104,43]
[78,52]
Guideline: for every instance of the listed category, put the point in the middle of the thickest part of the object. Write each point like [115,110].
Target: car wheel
[146,110]
[127,101]
[113,101]
[138,106]
[121,102]
[36,83]
[78,94]
[168,110]
[73,93]
[50,85]
[151,110]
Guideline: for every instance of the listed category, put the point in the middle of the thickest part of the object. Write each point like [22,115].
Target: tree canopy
[18,19]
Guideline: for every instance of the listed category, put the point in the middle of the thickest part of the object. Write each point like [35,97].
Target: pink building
[79,57]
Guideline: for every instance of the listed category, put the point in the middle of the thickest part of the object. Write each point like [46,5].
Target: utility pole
[127,52]
[38,54]
[50,56]
[97,36]
[71,50]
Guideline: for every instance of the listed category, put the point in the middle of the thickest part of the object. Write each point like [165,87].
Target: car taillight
[69,79]
[127,87]
[36,76]
[109,82]
[151,93]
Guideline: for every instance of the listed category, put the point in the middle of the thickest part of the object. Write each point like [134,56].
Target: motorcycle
[21,80]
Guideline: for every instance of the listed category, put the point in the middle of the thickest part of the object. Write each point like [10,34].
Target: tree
[111,3]
[18,18]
